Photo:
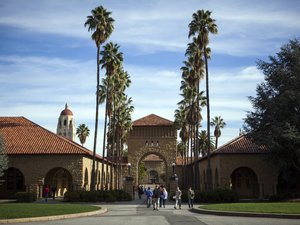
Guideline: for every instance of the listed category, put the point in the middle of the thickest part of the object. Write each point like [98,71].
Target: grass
[272,207]
[23,210]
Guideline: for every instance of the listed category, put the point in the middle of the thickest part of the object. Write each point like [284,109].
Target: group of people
[158,196]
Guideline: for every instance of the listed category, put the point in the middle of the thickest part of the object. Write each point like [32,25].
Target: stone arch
[14,181]
[60,178]
[245,182]
[157,179]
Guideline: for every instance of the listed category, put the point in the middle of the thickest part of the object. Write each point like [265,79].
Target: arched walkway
[13,182]
[155,167]
[59,178]
[244,182]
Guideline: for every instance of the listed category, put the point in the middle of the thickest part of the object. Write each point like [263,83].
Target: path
[136,213]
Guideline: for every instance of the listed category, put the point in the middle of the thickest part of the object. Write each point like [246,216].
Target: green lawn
[23,210]
[272,207]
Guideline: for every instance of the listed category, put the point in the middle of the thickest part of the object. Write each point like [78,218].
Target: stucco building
[38,157]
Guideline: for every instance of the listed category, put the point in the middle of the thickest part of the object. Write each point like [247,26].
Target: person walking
[149,195]
[140,191]
[46,192]
[191,196]
[155,198]
[165,197]
[178,194]
[53,192]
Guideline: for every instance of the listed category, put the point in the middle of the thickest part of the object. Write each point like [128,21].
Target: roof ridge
[23,121]
[61,137]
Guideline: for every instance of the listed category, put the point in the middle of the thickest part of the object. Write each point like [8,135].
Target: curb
[245,214]
[58,217]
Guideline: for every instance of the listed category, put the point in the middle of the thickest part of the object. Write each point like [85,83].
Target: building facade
[39,158]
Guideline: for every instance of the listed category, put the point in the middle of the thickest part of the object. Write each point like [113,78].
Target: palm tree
[101,25]
[112,62]
[82,132]
[204,144]
[201,25]
[219,123]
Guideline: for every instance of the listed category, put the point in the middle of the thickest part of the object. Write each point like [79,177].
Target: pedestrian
[178,194]
[53,191]
[149,195]
[191,196]
[155,198]
[161,195]
[46,193]
[140,191]
[165,194]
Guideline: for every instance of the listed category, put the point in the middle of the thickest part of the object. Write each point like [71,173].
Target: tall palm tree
[112,62]
[82,132]
[101,25]
[219,123]
[201,25]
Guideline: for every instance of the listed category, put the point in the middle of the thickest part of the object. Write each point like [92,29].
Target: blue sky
[47,57]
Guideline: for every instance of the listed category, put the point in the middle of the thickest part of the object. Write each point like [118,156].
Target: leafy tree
[218,123]
[82,132]
[101,25]
[3,158]
[275,121]
[142,170]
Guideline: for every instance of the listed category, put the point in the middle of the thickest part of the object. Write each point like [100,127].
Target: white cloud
[246,28]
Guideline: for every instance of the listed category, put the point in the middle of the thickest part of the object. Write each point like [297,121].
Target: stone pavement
[136,213]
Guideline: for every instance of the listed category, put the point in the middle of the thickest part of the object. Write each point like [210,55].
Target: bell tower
[66,124]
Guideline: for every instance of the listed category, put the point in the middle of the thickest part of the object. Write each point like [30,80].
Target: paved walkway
[136,213]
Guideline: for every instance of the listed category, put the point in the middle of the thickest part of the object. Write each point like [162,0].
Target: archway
[59,178]
[13,182]
[152,169]
[244,182]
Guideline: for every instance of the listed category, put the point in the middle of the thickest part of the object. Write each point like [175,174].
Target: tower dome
[66,124]
[66,111]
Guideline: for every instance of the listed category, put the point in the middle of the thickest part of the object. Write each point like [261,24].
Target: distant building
[66,124]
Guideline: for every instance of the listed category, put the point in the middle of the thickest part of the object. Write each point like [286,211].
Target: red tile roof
[152,120]
[22,136]
[241,145]
[152,157]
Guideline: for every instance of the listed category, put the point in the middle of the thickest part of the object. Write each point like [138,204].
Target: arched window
[244,182]
[13,182]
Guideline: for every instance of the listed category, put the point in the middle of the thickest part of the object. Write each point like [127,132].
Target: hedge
[25,196]
[97,196]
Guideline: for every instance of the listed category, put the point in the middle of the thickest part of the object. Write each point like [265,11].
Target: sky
[47,57]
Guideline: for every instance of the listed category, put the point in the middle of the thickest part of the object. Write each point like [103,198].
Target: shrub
[97,196]
[26,196]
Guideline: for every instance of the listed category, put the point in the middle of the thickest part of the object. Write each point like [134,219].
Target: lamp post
[173,166]
[129,166]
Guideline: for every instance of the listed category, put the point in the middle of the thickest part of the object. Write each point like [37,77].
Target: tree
[82,132]
[111,61]
[218,123]
[3,158]
[275,120]
[204,144]
[201,25]
[101,25]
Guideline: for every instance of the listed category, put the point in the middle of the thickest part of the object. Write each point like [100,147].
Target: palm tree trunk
[216,142]
[208,172]
[92,188]
[103,146]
